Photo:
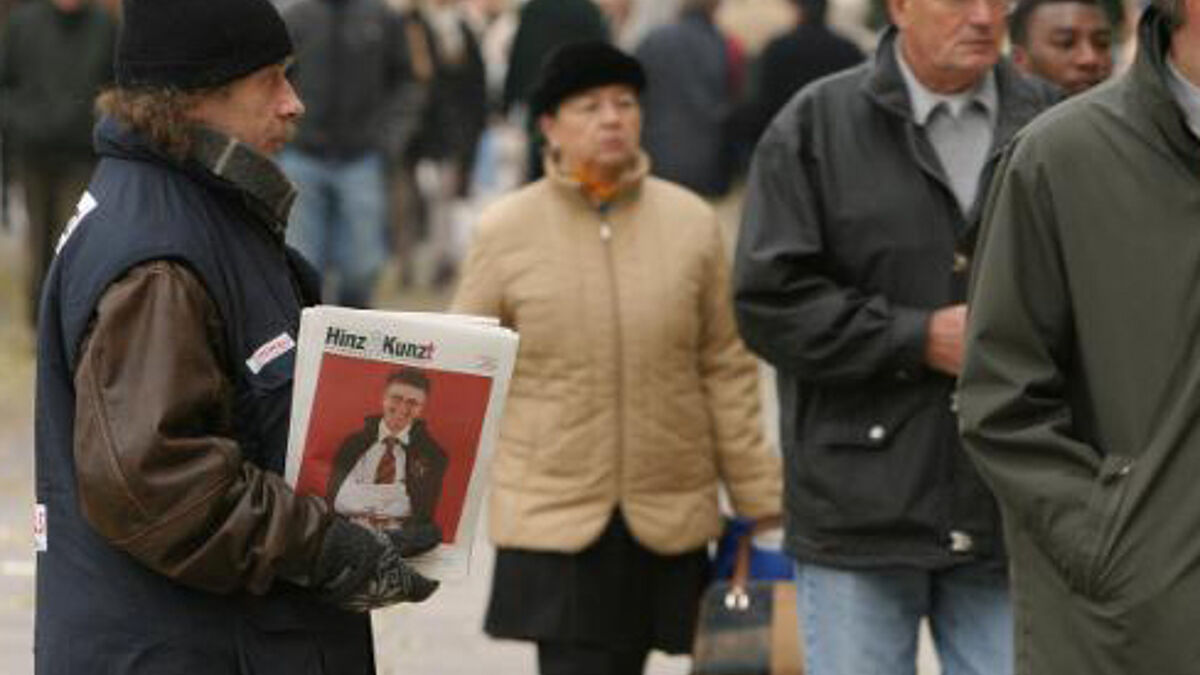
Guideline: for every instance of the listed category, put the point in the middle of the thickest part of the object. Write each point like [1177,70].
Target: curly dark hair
[160,114]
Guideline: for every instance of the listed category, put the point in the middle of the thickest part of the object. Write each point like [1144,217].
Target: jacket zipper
[606,235]
[1111,493]
[955,540]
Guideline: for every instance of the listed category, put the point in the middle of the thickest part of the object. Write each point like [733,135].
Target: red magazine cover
[436,417]
[394,417]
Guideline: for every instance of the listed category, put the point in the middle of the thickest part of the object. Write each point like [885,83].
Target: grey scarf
[269,193]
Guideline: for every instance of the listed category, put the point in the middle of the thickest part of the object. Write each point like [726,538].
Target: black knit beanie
[578,66]
[190,44]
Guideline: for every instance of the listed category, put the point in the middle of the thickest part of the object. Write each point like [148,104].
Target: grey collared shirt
[959,126]
[1187,95]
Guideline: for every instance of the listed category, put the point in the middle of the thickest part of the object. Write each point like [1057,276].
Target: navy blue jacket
[98,609]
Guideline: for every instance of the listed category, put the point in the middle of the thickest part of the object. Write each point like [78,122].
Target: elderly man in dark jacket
[1079,391]
[168,542]
[850,279]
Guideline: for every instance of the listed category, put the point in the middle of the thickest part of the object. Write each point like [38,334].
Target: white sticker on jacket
[269,352]
[87,204]
[39,528]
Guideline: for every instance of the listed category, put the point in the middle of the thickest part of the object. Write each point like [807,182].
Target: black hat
[577,66]
[189,44]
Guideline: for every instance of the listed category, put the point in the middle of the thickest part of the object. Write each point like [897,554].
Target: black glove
[415,537]
[359,570]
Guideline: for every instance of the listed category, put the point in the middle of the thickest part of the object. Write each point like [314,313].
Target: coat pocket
[866,422]
[1098,540]
[865,460]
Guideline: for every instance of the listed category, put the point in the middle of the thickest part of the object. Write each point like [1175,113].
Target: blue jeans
[865,622]
[339,222]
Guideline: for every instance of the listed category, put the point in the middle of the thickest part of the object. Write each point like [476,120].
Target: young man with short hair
[1067,42]
[388,475]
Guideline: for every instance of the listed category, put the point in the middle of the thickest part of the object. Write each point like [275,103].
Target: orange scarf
[598,190]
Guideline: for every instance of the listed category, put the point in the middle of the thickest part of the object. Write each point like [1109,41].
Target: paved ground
[16,479]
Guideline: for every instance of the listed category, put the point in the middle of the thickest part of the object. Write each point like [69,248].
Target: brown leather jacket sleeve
[159,475]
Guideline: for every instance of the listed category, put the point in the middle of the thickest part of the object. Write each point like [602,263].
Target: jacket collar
[628,186]
[1146,91]
[268,192]
[1018,101]
[405,435]
[373,426]
[923,101]
[217,161]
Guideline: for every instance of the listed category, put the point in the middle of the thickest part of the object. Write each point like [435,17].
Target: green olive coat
[1080,397]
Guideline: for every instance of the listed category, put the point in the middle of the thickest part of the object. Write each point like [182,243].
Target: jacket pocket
[865,459]
[867,422]
[1105,508]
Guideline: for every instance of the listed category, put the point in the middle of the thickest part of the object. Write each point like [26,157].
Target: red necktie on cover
[386,471]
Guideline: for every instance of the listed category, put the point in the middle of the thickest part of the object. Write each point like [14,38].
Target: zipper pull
[605,231]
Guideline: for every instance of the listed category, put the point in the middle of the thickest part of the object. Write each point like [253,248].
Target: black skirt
[615,593]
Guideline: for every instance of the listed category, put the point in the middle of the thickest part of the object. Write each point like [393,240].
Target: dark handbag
[748,626]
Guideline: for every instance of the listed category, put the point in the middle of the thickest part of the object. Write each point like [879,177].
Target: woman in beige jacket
[633,397]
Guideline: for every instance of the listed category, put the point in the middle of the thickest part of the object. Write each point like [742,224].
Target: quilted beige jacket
[632,388]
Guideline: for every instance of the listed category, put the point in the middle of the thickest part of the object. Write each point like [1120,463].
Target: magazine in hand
[394,415]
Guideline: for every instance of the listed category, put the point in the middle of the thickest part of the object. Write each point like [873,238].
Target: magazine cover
[394,418]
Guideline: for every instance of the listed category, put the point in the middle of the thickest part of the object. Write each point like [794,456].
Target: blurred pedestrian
[633,398]
[618,14]
[494,23]
[1078,394]
[499,165]
[351,69]
[850,278]
[789,62]
[1066,42]
[543,26]
[454,118]
[168,542]
[408,210]
[55,56]
[690,100]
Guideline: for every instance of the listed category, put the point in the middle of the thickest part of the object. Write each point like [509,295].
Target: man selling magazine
[168,543]
[367,482]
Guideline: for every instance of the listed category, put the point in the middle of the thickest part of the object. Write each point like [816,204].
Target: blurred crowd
[416,109]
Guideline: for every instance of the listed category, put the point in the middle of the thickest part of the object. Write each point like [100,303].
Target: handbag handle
[737,598]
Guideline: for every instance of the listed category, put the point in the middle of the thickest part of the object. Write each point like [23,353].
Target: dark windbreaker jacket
[850,238]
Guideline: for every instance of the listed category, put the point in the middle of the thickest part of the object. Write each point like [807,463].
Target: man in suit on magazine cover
[388,475]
